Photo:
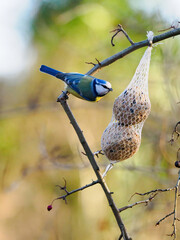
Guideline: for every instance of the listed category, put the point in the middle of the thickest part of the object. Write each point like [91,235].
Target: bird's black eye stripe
[105,86]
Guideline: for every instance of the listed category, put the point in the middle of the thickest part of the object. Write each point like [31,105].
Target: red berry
[49,207]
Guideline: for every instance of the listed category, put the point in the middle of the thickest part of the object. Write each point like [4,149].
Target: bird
[80,85]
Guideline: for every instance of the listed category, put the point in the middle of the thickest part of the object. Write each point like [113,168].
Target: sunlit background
[38,146]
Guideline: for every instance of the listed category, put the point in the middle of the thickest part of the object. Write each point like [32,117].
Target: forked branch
[131,49]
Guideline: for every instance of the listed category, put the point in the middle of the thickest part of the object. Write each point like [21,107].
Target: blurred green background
[38,146]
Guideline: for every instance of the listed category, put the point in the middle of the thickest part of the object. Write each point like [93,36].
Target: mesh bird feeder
[122,137]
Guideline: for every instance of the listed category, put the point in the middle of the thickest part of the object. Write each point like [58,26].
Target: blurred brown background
[38,146]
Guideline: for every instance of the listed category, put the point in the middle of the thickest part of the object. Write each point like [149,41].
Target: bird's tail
[49,70]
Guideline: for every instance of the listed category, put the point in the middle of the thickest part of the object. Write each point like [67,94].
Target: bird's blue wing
[73,80]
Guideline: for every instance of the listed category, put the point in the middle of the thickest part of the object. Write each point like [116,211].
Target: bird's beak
[110,89]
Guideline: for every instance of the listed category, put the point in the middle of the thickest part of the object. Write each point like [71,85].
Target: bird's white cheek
[101,90]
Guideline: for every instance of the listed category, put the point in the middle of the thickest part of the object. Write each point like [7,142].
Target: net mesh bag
[122,137]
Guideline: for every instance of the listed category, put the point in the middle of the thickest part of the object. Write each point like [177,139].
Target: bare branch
[137,203]
[64,188]
[173,25]
[152,191]
[174,213]
[94,64]
[156,191]
[63,102]
[162,219]
[175,207]
[118,30]
[132,48]
[175,131]
[163,30]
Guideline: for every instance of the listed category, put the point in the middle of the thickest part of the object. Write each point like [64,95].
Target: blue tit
[82,86]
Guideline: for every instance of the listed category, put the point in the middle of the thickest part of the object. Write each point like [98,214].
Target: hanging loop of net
[122,137]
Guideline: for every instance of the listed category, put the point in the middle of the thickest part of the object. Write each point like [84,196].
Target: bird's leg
[63,96]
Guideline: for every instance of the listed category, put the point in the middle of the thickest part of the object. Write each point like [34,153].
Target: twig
[64,188]
[175,218]
[94,64]
[132,48]
[173,25]
[174,213]
[152,191]
[63,102]
[162,219]
[175,131]
[118,30]
[137,203]
[175,207]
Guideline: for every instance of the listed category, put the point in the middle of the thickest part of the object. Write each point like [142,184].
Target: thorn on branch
[174,25]
[67,193]
[84,154]
[63,187]
[94,64]
[99,63]
[118,30]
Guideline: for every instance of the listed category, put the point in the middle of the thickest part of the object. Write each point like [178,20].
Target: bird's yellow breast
[70,90]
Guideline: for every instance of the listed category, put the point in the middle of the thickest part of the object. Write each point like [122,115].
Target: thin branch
[94,64]
[175,131]
[132,48]
[152,191]
[156,191]
[137,203]
[118,30]
[62,99]
[174,213]
[64,188]
[175,207]
[162,219]
[173,25]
